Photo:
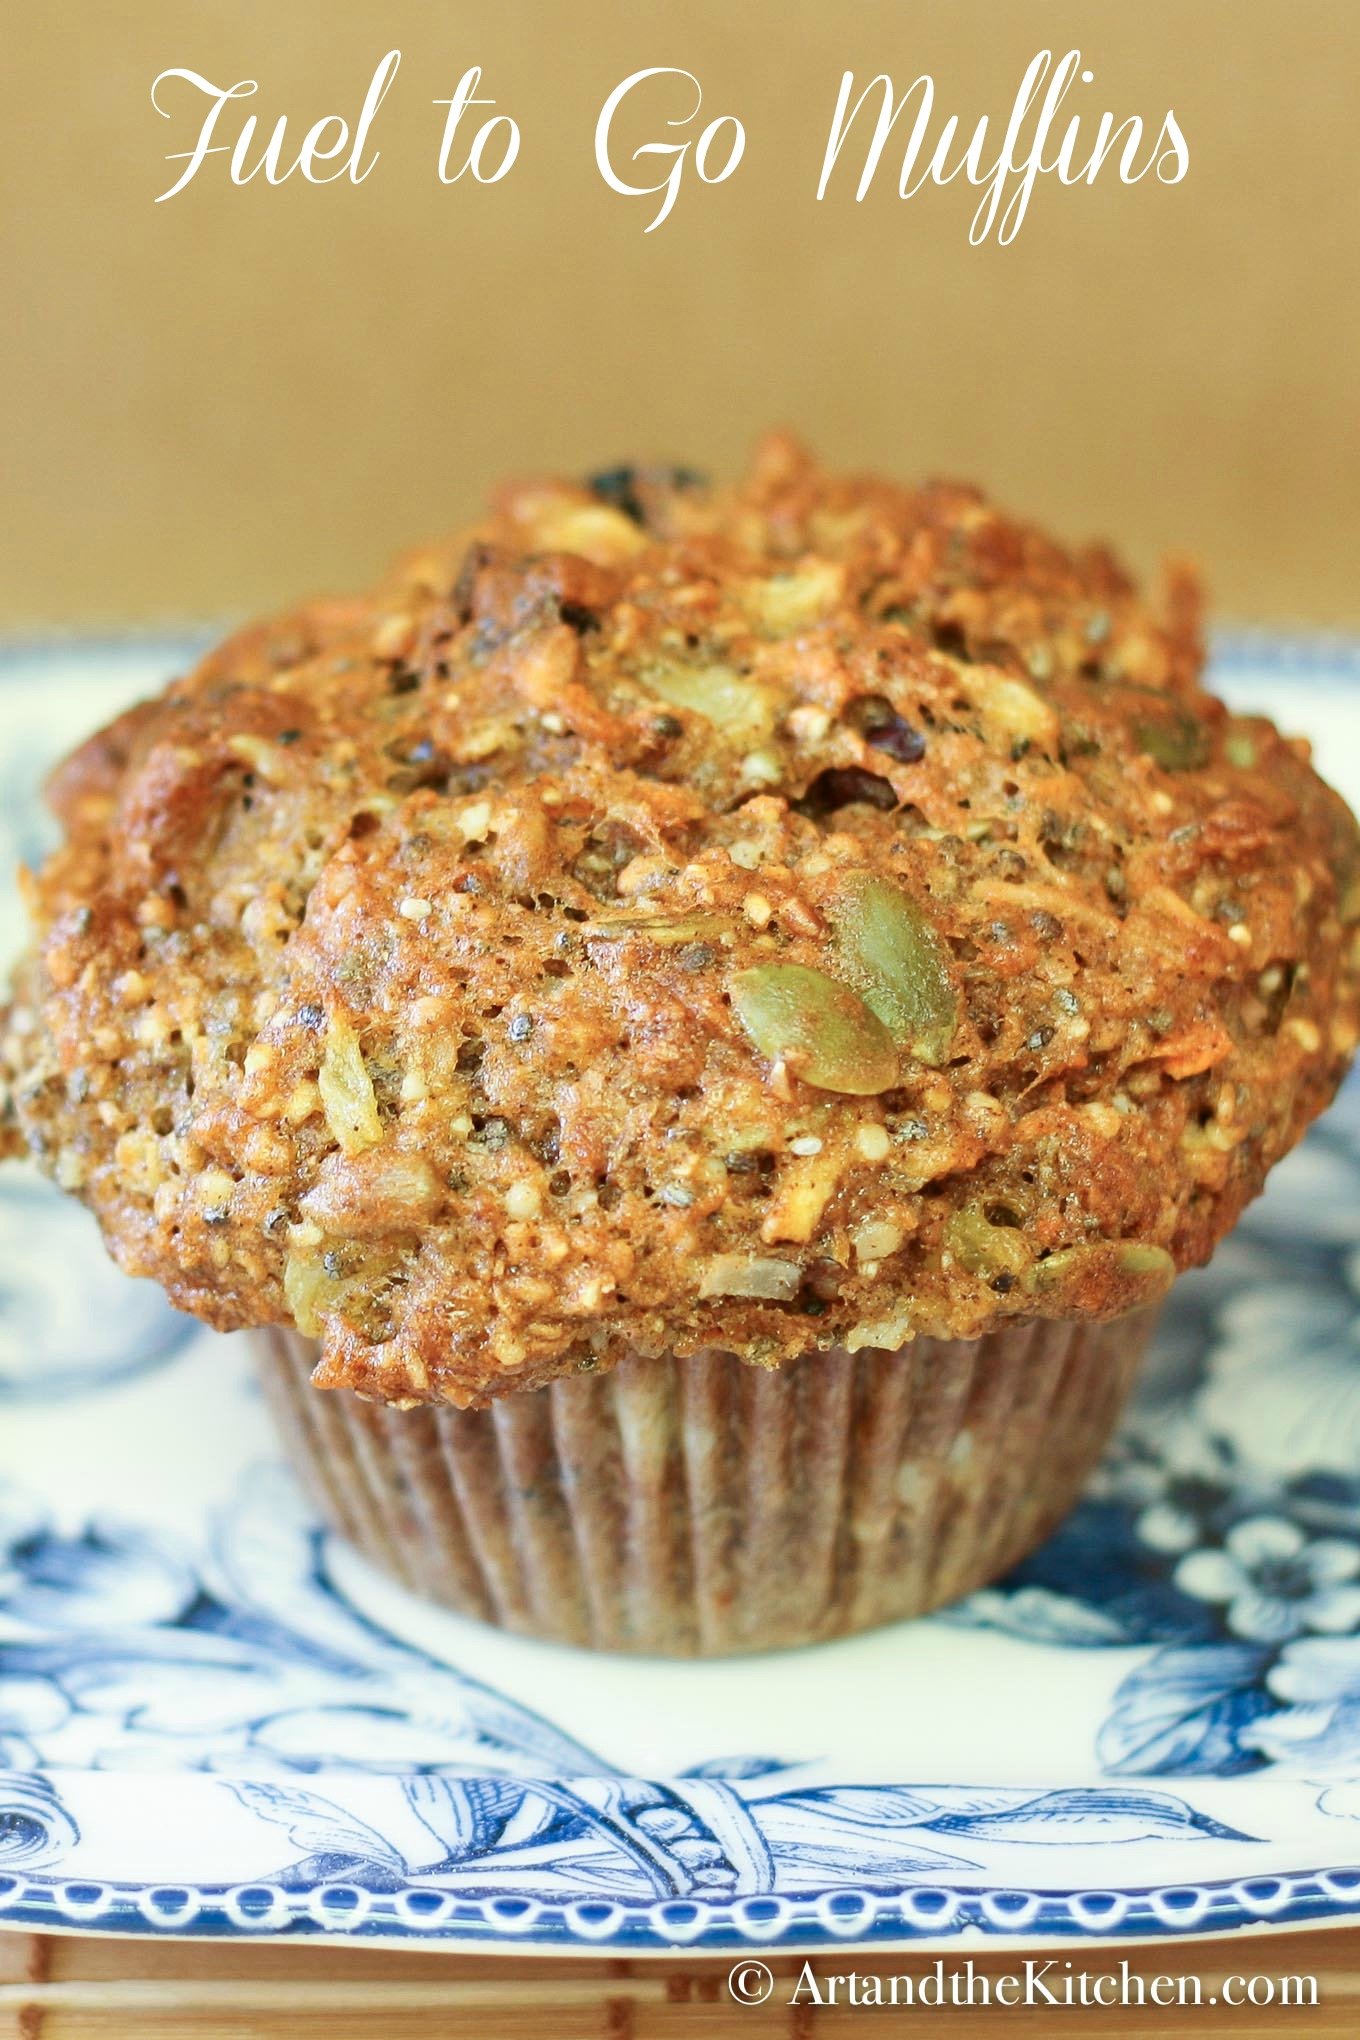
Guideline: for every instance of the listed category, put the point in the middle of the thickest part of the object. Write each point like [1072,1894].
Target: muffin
[698,1026]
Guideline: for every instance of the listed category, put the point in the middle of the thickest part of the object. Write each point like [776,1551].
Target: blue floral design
[115,1651]
[621,1861]
[1272,1583]
[118,1654]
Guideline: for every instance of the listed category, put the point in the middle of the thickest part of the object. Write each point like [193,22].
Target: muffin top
[816,912]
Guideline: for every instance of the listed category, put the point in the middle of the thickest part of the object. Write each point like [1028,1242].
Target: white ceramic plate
[216,1721]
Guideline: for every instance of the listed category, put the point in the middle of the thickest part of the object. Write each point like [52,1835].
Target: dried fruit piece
[803,1194]
[896,960]
[305,1291]
[625,488]
[347,1096]
[342,1277]
[880,725]
[1193,1048]
[824,1032]
[841,786]
[380,1191]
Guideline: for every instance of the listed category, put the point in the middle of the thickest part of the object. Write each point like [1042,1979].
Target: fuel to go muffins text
[1038,1980]
[656,135]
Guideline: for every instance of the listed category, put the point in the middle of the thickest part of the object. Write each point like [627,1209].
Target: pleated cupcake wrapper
[703,1506]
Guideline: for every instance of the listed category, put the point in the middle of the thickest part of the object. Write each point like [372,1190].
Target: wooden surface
[217,403]
[78,1987]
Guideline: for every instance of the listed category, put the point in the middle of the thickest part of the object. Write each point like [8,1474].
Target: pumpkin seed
[1055,1271]
[719,693]
[986,1249]
[1124,1273]
[825,1032]
[1177,744]
[896,961]
[1136,1258]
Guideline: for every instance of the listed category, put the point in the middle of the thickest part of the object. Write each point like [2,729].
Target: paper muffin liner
[699,1507]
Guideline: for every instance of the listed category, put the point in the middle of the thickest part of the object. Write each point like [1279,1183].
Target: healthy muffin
[708,1019]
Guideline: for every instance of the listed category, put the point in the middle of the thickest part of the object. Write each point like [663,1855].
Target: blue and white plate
[216,1721]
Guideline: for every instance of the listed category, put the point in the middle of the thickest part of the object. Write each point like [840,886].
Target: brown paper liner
[700,1507]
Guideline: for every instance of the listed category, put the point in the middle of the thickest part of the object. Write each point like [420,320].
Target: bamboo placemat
[74,1987]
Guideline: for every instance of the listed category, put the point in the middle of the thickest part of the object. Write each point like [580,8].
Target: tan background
[218,402]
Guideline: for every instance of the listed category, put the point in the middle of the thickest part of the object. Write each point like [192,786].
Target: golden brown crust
[664,918]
